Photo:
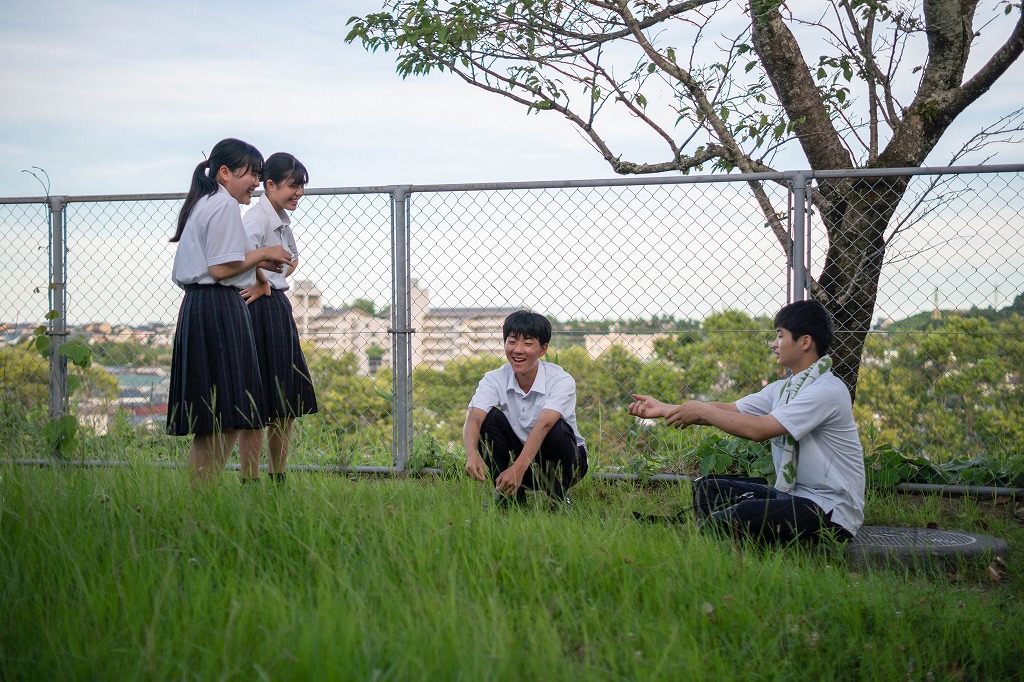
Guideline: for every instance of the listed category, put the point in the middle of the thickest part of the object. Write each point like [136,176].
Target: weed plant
[131,574]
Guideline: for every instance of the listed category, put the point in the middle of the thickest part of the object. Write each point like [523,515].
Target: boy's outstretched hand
[647,407]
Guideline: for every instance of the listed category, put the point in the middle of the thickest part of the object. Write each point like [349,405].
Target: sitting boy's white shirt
[830,470]
[553,389]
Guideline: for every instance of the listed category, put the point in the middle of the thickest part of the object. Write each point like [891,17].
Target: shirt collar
[278,219]
[539,383]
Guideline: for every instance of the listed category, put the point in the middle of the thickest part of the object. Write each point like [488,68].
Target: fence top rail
[179,196]
[781,176]
[924,170]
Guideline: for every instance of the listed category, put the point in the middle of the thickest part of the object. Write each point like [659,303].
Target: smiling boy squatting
[520,429]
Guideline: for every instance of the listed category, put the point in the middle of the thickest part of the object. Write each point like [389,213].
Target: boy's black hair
[807,318]
[526,324]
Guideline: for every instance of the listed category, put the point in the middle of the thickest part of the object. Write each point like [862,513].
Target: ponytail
[202,185]
[236,155]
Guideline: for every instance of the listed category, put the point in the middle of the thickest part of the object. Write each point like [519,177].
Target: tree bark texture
[856,212]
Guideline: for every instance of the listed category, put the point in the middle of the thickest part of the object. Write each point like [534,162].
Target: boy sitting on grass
[521,423]
[819,462]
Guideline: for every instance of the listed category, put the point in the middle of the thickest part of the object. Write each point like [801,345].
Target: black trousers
[558,466]
[759,511]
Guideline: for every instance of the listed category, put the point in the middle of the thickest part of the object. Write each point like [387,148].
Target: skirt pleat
[286,378]
[215,377]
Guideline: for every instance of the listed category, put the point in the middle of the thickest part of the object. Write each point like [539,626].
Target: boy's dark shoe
[678,517]
[509,501]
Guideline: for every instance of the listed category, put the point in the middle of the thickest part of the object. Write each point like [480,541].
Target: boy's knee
[560,436]
[495,421]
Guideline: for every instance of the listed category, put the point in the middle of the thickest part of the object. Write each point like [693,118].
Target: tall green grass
[129,573]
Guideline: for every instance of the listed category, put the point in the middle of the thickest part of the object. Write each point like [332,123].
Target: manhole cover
[913,537]
[880,544]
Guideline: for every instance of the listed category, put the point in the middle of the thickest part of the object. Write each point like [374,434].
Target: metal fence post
[58,330]
[401,327]
[798,257]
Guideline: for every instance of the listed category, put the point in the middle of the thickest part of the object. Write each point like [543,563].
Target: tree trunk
[856,215]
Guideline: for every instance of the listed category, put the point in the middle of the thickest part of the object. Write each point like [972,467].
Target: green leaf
[43,346]
[52,315]
[77,351]
[60,434]
[74,383]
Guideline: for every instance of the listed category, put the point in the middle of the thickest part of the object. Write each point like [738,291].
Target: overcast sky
[119,96]
[124,97]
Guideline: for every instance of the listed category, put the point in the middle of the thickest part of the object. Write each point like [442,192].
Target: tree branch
[783,62]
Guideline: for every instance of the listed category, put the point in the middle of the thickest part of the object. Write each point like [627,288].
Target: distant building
[641,345]
[14,332]
[441,334]
[447,334]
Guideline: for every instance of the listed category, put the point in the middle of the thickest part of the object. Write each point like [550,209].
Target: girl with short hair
[286,380]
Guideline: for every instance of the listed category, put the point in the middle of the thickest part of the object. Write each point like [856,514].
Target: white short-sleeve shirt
[213,235]
[266,227]
[553,389]
[830,469]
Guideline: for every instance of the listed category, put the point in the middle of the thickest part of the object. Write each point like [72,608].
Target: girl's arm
[277,254]
[261,288]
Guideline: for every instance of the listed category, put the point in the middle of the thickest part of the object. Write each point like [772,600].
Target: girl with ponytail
[216,388]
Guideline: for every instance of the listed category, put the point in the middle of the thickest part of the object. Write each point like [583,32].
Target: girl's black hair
[281,167]
[236,155]
[525,324]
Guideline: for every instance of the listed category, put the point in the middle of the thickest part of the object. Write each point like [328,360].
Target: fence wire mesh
[630,277]
[24,373]
[666,289]
[940,374]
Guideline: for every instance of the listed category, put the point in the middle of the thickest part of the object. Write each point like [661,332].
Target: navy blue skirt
[286,380]
[215,378]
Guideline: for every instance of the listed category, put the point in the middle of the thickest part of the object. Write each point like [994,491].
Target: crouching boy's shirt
[553,389]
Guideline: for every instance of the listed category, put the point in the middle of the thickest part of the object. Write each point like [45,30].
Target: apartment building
[441,334]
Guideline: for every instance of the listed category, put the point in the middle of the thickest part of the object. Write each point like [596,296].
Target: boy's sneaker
[560,504]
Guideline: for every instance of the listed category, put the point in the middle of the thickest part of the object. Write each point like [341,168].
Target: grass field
[130,574]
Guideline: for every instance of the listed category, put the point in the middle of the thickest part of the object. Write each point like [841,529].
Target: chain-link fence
[662,286]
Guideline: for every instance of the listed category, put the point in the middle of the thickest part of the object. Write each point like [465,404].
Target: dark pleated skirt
[215,378]
[286,379]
